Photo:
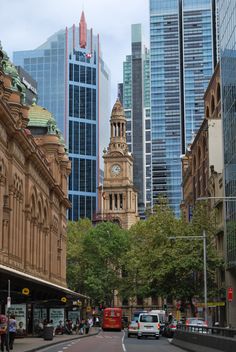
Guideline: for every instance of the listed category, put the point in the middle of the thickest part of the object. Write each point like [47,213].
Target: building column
[11,224]
[27,239]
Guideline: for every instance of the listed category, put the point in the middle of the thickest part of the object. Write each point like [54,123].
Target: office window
[76,101]
[82,138]
[88,176]
[82,175]
[71,72]
[88,103]
[82,74]
[88,75]
[82,102]
[94,104]
[88,139]
[76,73]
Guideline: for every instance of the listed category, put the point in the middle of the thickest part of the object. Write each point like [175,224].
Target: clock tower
[118,197]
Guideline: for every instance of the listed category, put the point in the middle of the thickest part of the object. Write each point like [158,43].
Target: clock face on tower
[116,169]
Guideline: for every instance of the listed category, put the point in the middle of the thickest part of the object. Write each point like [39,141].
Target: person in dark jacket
[87,326]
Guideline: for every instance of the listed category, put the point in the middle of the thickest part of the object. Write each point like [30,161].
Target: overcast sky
[26,24]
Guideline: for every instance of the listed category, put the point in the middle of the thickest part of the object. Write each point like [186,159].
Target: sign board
[230,294]
[210,304]
[19,310]
[57,316]
[74,316]
[25,291]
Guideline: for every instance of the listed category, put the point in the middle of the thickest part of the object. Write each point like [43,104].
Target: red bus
[112,319]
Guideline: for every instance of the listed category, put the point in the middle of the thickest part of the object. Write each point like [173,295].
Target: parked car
[196,325]
[170,328]
[133,328]
[148,325]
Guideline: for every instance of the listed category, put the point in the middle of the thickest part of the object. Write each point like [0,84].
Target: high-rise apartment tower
[182,60]
[136,103]
[227,23]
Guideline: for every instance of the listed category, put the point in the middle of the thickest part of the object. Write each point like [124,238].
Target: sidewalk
[31,344]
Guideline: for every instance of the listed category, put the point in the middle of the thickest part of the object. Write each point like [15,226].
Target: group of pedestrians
[84,325]
[7,331]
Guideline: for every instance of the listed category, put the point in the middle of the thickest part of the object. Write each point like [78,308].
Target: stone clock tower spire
[118,197]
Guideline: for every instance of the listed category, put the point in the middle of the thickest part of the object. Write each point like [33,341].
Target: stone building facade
[34,170]
[204,155]
[202,167]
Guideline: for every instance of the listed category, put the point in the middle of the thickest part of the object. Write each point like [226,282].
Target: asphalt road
[114,342]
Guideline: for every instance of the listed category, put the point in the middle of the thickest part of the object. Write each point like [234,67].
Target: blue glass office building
[183,56]
[70,73]
[227,30]
[136,103]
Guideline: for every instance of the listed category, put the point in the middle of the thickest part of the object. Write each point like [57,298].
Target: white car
[149,325]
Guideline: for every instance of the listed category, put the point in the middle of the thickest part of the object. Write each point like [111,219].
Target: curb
[60,342]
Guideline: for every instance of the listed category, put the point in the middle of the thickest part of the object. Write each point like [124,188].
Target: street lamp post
[203,237]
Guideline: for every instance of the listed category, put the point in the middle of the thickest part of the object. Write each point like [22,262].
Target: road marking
[123,345]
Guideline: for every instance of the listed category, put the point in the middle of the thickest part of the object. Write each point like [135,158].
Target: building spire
[82,31]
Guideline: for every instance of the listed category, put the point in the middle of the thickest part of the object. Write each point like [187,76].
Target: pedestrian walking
[3,332]
[12,330]
[81,326]
[87,326]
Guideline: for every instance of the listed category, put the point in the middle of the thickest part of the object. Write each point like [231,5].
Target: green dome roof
[42,118]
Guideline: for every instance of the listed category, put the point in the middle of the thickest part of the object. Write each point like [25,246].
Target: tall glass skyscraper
[182,54]
[136,103]
[227,30]
[73,83]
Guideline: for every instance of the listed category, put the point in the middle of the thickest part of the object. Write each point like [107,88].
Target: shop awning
[13,273]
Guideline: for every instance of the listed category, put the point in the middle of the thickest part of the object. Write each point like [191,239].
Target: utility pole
[205,273]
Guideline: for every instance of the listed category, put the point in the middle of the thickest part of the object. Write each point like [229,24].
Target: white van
[148,325]
[162,318]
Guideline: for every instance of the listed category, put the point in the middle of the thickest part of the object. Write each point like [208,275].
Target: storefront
[34,301]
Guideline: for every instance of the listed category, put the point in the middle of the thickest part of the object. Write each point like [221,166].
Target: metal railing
[226,332]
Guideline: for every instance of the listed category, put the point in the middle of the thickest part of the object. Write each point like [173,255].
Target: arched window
[218,92]
[207,112]
[212,104]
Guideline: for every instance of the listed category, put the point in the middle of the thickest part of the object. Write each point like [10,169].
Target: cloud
[26,24]
[30,24]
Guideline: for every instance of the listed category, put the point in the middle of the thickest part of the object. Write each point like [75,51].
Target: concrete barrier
[203,342]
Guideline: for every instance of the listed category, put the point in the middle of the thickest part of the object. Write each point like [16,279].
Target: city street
[115,342]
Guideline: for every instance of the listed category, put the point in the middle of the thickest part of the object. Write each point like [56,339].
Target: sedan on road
[133,329]
[196,325]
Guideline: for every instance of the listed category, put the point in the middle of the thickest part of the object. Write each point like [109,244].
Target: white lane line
[123,345]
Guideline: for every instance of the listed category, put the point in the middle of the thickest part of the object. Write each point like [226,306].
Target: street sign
[230,294]
[25,291]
